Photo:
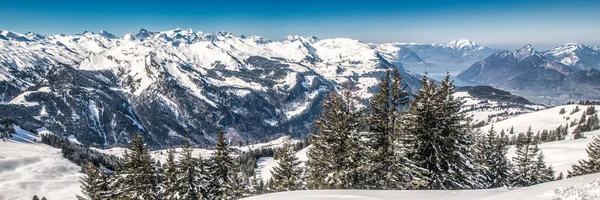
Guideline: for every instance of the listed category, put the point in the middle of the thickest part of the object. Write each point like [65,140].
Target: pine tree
[138,178]
[257,185]
[560,176]
[592,164]
[170,182]
[388,167]
[335,160]
[442,141]
[501,166]
[189,175]
[219,169]
[94,184]
[287,174]
[238,186]
[530,167]
[541,171]
[35,197]
[88,183]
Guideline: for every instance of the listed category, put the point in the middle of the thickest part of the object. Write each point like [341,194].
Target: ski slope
[30,168]
[584,187]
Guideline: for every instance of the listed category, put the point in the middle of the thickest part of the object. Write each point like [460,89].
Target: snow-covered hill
[484,104]
[548,119]
[584,187]
[30,168]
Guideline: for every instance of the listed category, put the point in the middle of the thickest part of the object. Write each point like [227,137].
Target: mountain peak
[525,51]
[107,34]
[460,44]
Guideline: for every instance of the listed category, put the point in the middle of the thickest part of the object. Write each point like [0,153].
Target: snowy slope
[561,155]
[584,187]
[29,168]
[548,119]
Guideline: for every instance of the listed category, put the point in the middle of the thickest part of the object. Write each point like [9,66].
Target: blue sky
[508,23]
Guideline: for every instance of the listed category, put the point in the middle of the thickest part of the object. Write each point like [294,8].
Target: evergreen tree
[560,176]
[287,174]
[530,167]
[542,172]
[91,183]
[189,175]
[238,187]
[219,169]
[442,140]
[35,197]
[386,113]
[258,186]
[592,164]
[170,181]
[501,166]
[335,160]
[137,180]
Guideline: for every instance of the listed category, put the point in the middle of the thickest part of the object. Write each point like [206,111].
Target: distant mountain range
[101,89]
[419,58]
[179,83]
[567,72]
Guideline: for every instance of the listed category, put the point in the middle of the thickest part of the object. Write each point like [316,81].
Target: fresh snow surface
[30,168]
[583,187]
[548,119]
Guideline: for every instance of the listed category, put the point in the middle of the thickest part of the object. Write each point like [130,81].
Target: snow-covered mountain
[579,56]
[453,56]
[561,74]
[178,83]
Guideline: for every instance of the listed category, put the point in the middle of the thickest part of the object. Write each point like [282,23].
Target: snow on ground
[548,119]
[30,168]
[584,187]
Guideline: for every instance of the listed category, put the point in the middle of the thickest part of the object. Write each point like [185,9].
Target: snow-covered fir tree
[592,164]
[442,141]
[287,175]
[94,184]
[501,168]
[219,169]
[385,116]
[189,176]
[490,155]
[238,185]
[170,182]
[530,168]
[137,180]
[334,161]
